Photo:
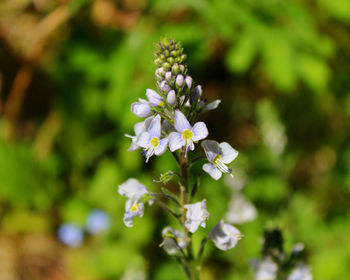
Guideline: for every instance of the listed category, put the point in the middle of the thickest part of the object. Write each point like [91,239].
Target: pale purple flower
[196,215]
[139,128]
[225,236]
[97,221]
[300,272]
[70,235]
[174,241]
[240,210]
[266,270]
[171,97]
[150,139]
[218,155]
[134,191]
[143,107]
[186,134]
[154,98]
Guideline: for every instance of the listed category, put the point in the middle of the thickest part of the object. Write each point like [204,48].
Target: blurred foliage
[69,71]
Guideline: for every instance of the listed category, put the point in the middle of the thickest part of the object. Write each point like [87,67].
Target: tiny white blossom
[174,241]
[240,210]
[266,270]
[196,215]
[225,236]
[139,128]
[186,135]
[218,155]
[301,272]
[133,190]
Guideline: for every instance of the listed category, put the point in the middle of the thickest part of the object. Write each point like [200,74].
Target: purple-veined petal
[175,141]
[133,147]
[161,147]
[225,236]
[212,171]
[154,127]
[200,131]
[181,123]
[153,97]
[211,149]
[132,189]
[141,110]
[144,139]
[227,152]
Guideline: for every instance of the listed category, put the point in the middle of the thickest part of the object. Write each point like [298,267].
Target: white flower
[240,210]
[301,272]
[218,155]
[225,236]
[186,134]
[133,190]
[174,241]
[150,139]
[266,270]
[139,128]
[196,215]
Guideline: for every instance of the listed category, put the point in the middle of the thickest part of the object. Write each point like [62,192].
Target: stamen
[135,207]
[187,135]
[220,165]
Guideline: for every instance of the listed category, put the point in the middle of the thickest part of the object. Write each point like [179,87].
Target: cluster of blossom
[170,124]
[72,235]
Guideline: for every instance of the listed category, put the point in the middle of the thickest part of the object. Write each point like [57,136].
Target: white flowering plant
[170,124]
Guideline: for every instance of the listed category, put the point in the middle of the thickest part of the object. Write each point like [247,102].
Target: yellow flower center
[135,207]
[216,159]
[161,104]
[187,135]
[154,142]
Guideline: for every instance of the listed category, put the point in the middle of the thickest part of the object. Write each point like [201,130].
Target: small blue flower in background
[97,222]
[70,235]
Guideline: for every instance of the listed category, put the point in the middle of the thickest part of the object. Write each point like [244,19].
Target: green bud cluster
[169,58]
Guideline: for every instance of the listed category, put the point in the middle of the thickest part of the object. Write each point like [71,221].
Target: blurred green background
[69,71]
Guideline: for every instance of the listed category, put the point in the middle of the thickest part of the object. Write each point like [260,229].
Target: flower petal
[154,127]
[153,97]
[213,105]
[161,147]
[228,153]
[175,141]
[141,110]
[132,189]
[225,236]
[200,131]
[143,140]
[212,171]
[211,149]
[181,123]
[139,128]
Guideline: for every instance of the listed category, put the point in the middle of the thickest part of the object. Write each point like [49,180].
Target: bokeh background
[69,71]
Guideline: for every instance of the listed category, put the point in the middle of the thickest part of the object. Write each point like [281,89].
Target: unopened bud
[166,65]
[168,76]
[188,81]
[171,97]
[182,68]
[164,86]
[196,94]
[175,69]
[179,80]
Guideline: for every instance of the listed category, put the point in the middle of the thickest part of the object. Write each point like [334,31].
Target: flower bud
[196,94]
[188,81]
[182,68]
[171,98]
[179,80]
[166,65]
[175,69]
[168,76]
[164,86]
